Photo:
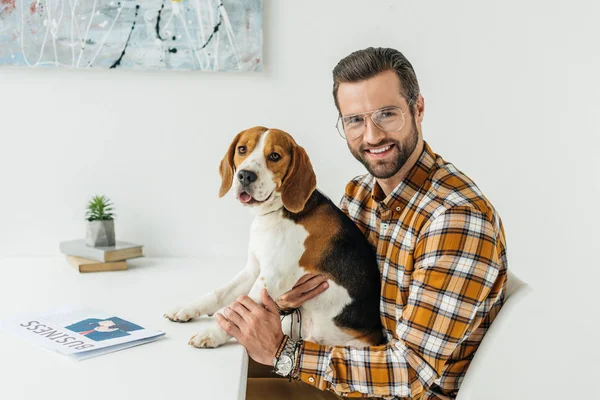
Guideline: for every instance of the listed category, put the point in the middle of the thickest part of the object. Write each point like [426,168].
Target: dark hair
[364,64]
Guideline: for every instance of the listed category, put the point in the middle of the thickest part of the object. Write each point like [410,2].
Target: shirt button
[311,379]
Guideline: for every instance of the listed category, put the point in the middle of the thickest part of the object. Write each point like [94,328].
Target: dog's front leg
[208,304]
[276,284]
[214,335]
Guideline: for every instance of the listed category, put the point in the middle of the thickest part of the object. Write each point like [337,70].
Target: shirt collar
[414,180]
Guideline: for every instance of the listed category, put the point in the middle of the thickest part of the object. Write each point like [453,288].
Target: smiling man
[440,247]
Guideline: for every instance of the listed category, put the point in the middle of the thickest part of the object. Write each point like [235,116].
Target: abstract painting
[204,35]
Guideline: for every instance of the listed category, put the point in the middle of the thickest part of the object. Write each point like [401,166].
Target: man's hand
[306,288]
[257,328]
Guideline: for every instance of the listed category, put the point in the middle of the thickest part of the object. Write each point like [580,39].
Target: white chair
[489,376]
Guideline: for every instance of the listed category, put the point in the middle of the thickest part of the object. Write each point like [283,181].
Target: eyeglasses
[388,119]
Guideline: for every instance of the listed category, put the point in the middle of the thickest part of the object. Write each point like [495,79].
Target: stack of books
[95,259]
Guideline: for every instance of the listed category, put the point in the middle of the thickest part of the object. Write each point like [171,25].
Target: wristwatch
[283,362]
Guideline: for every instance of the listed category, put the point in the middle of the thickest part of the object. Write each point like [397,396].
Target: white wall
[512,94]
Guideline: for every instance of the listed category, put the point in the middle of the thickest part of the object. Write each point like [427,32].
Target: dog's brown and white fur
[296,230]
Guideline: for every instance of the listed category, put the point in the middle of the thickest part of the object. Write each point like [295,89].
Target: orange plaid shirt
[442,257]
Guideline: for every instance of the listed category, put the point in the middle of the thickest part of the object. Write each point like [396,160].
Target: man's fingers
[283,304]
[268,302]
[312,283]
[303,279]
[313,293]
[296,297]
[241,310]
[307,287]
[250,305]
[233,316]
[226,325]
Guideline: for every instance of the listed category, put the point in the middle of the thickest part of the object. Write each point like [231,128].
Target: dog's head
[267,170]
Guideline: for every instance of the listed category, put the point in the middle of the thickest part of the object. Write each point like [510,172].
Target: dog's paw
[182,314]
[210,338]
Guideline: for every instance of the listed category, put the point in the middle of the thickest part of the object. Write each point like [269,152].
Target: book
[84,265]
[119,252]
[80,332]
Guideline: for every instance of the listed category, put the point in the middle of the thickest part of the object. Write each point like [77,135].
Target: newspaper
[80,332]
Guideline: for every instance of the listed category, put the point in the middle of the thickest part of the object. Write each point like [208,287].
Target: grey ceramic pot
[100,233]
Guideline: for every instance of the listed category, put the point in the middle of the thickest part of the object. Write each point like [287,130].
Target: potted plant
[101,225]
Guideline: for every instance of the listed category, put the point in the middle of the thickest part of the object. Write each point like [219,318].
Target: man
[440,247]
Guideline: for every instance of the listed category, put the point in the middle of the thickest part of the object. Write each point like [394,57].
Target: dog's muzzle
[246,177]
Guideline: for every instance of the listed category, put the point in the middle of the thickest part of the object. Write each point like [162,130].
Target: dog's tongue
[245,197]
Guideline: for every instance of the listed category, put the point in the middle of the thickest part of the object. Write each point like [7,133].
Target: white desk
[166,369]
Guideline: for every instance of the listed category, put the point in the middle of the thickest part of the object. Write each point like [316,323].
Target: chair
[488,376]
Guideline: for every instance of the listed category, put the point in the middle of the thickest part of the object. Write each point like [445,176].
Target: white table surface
[166,368]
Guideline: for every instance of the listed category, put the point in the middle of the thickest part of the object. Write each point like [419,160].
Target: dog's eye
[274,157]
[242,149]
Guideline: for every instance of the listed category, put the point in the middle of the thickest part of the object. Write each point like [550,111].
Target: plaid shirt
[441,253]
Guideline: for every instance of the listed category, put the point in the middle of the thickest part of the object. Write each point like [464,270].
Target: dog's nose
[246,177]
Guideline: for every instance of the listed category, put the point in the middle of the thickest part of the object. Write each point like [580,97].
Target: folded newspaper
[80,332]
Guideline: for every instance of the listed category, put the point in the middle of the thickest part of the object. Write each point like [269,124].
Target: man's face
[105,326]
[383,90]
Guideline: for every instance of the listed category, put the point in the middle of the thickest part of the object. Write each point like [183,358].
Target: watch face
[284,365]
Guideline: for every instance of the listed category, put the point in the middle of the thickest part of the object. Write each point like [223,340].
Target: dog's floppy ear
[299,182]
[226,169]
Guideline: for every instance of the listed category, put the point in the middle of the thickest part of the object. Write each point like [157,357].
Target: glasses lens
[340,127]
[353,126]
[389,119]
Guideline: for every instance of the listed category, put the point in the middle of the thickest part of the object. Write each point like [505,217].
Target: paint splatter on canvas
[207,35]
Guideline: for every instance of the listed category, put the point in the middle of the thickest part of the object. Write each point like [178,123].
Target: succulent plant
[99,209]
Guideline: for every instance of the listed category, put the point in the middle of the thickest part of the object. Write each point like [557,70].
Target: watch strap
[289,349]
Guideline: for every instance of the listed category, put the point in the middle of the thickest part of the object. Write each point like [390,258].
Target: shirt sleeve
[456,265]
[344,204]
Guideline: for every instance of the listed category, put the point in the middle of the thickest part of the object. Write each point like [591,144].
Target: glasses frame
[369,114]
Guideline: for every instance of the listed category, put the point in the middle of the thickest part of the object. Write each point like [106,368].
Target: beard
[384,169]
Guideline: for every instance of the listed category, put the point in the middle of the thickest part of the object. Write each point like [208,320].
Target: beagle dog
[296,230]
